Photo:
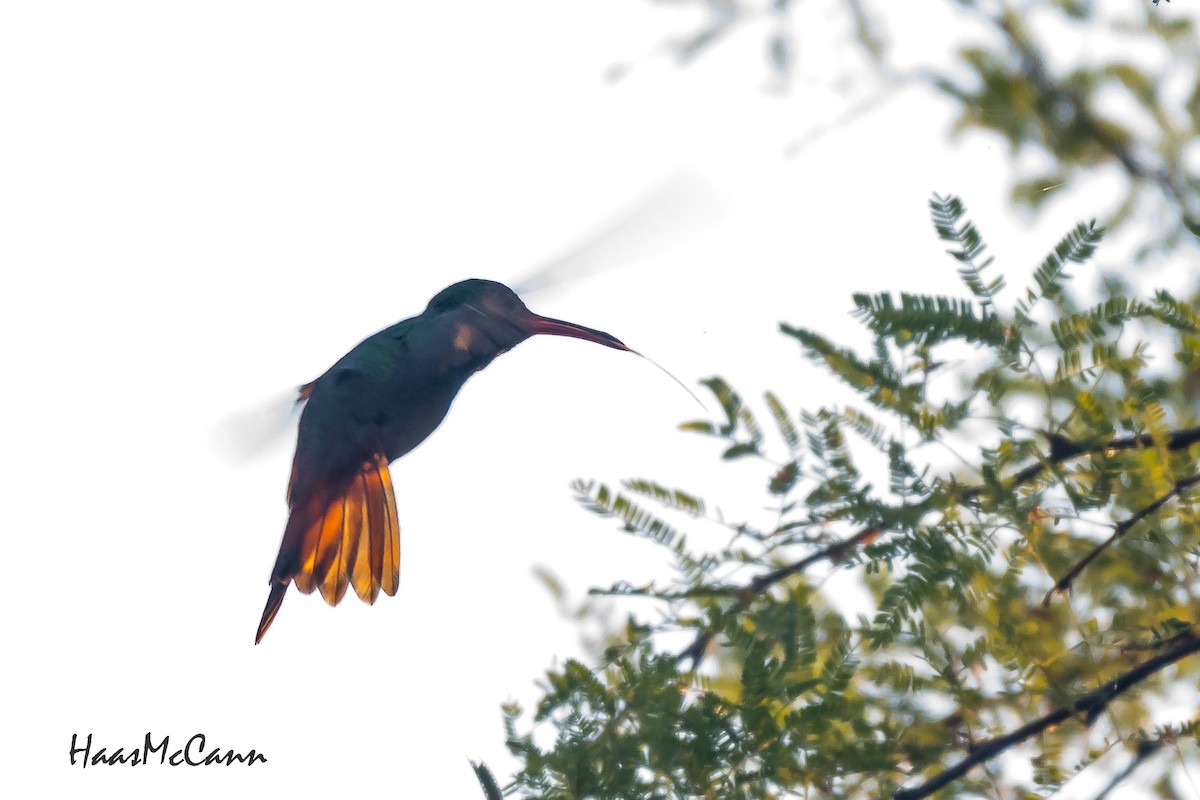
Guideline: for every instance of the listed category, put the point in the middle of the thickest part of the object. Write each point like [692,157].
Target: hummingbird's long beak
[557,327]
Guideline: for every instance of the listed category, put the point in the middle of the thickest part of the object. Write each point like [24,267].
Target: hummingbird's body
[374,405]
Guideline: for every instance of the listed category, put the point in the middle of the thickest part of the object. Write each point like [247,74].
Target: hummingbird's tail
[274,601]
[352,539]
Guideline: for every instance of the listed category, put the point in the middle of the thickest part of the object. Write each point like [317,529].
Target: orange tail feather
[351,539]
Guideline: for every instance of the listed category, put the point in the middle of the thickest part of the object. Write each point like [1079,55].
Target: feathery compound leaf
[671,498]
[729,401]
[946,213]
[839,668]
[787,428]
[929,423]
[902,476]
[737,416]
[928,320]
[874,432]
[748,421]
[1077,246]
[1176,313]
[1150,412]
[876,379]
[826,441]
[599,499]
[1088,326]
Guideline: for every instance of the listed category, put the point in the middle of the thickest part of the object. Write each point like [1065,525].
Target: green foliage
[947,213]
[927,321]
[487,781]
[1125,100]
[1077,247]
[1011,478]
[1022,525]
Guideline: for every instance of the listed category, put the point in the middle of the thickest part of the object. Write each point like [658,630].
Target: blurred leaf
[491,790]
[780,52]
[783,480]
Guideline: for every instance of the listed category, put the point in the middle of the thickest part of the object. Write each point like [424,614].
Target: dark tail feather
[274,601]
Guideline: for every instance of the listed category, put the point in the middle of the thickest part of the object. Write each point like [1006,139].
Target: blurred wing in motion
[681,204]
[244,435]
[338,537]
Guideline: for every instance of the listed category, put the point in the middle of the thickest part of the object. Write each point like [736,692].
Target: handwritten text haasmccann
[192,754]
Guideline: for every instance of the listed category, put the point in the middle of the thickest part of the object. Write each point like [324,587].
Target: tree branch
[745,594]
[1033,67]
[1090,705]
[1064,583]
[1061,450]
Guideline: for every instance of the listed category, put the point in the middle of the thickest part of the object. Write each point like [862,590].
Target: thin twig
[1064,583]
[1145,750]
[834,552]
[1089,705]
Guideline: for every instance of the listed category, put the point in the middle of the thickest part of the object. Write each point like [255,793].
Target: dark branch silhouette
[745,594]
[1064,583]
[1090,706]
[1061,450]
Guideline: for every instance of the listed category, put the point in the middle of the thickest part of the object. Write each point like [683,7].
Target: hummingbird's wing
[346,537]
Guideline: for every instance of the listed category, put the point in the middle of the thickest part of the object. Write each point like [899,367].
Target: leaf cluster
[1011,490]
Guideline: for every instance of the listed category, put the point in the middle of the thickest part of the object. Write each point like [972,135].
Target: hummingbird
[377,403]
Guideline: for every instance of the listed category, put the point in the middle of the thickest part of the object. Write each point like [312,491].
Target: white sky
[205,204]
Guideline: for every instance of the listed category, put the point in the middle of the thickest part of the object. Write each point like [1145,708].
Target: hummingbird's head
[499,304]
